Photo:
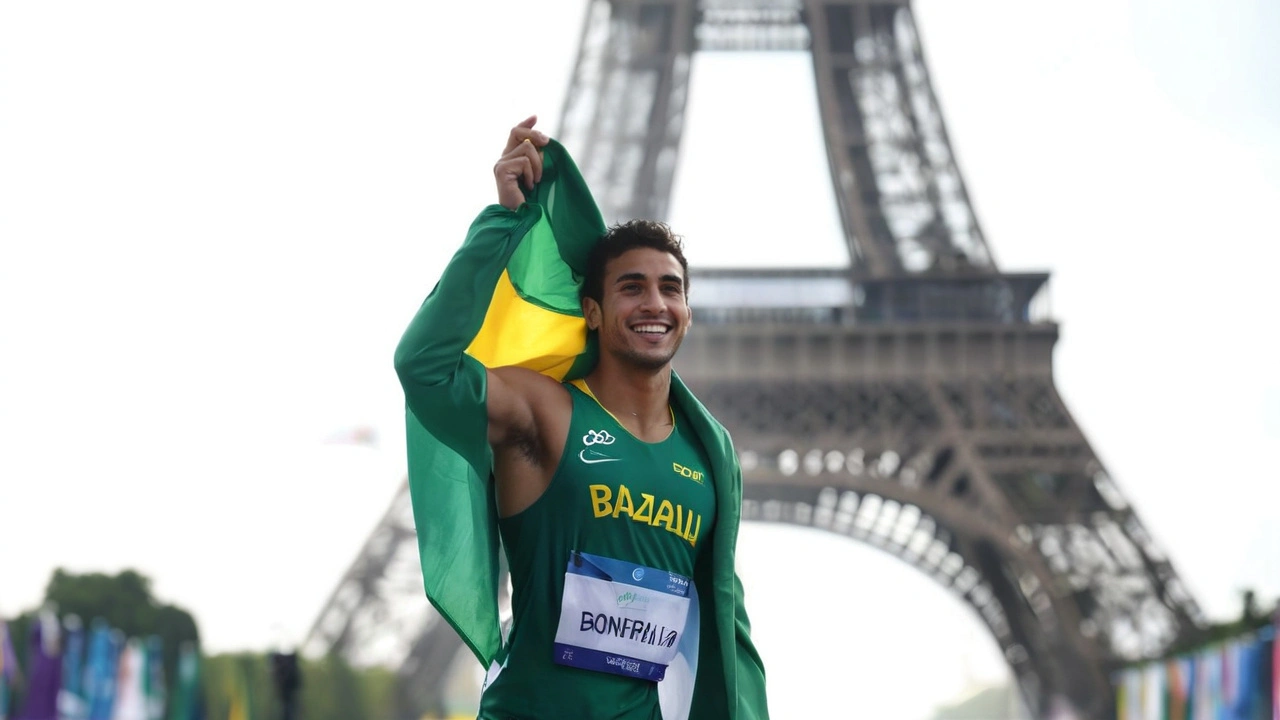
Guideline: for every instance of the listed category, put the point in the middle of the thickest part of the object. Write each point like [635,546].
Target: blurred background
[216,219]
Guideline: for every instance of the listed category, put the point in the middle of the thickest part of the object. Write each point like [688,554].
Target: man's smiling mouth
[652,329]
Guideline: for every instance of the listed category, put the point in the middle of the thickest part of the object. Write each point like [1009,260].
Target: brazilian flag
[510,296]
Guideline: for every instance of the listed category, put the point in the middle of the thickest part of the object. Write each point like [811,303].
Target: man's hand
[520,162]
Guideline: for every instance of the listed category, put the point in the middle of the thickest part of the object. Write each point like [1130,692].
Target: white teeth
[650,328]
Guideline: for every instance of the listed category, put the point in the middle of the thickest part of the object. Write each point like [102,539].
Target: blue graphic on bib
[603,568]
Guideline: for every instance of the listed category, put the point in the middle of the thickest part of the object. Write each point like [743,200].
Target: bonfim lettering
[628,629]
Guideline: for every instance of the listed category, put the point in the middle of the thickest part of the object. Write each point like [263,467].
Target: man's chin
[651,361]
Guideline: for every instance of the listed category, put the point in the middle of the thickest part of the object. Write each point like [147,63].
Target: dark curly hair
[628,236]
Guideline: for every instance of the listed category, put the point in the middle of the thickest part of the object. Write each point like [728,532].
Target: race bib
[619,617]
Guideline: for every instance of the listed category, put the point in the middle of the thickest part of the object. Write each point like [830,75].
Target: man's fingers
[516,167]
[521,163]
[524,131]
[519,135]
[527,149]
[512,167]
[526,171]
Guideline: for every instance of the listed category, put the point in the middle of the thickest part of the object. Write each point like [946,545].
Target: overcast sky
[216,219]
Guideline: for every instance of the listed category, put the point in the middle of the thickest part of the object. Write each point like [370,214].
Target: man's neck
[640,399]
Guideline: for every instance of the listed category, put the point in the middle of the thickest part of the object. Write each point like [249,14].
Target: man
[616,494]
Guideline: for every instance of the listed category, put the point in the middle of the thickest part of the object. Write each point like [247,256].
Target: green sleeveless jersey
[597,567]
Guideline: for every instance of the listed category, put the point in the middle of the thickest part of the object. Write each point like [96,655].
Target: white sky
[216,219]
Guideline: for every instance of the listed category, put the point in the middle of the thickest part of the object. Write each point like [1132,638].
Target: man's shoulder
[542,393]
[524,377]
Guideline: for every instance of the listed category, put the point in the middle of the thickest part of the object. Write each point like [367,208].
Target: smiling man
[615,494]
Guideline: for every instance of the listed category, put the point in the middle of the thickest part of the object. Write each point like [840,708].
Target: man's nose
[653,300]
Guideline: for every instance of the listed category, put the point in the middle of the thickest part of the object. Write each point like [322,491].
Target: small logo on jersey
[637,574]
[591,457]
[597,437]
[682,471]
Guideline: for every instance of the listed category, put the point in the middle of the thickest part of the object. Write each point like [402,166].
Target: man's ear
[591,312]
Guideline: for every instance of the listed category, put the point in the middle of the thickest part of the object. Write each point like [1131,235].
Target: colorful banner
[1235,680]
[131,700]
[153,682]
[8,669]
[72,704]
[44,678]
[100,670]
[184,703]
[1274,641]
[1178,674]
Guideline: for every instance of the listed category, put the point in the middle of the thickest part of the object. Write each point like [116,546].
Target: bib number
[619,617]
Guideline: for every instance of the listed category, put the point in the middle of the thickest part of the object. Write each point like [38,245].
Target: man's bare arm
[528,412]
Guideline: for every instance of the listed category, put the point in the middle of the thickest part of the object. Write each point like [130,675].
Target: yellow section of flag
[517,332]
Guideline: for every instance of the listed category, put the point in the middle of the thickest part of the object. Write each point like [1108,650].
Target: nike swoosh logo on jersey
[598,458]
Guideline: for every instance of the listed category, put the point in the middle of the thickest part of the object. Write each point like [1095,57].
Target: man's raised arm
[437,375]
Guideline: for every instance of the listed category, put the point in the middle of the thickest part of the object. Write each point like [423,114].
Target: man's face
[644,314]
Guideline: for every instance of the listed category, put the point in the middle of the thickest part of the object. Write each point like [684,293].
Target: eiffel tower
[906,401]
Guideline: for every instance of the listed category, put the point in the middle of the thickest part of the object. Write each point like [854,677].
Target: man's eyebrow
[626,277]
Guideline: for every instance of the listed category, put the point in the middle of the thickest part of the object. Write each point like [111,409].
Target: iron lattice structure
[906,401]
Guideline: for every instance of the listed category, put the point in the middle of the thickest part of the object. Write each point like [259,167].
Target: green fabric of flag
[510,297]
